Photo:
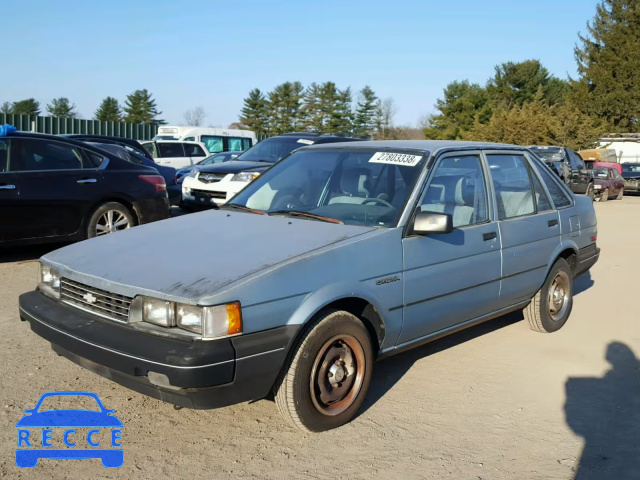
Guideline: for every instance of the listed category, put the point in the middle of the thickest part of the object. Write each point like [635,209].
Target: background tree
[26,107]
[518,83]
[194,117]
[284,108]
[313,108]
[385,113]
[5,108]
[341,118]
[109,111]
[61,107]
[140,107]
[363,123]
[609,65]
[462,103]
[254,113]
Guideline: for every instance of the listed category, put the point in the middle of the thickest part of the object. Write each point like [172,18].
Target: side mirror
[426,223]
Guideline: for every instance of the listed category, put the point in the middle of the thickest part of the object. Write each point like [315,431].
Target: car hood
[233,166]
[69,418]
[217,248]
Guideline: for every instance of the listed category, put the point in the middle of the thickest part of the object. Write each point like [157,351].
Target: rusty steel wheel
[337,374]
[324,382]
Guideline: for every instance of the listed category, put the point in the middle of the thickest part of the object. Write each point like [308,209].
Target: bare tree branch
[194,117]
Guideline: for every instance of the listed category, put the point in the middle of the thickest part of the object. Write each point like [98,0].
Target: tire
[543,314]
[620,194]
[109,217]
[603,197]
[590,192]
[308,380]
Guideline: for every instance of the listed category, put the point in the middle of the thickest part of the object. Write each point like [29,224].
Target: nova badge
[89,298]
[382,281]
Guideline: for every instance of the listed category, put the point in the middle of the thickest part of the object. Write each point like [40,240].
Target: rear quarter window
[559,197]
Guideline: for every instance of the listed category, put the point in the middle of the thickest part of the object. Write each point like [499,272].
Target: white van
[176,154]
[215,139]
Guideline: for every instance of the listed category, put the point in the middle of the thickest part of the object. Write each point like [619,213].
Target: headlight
[209,322]
[186,190]
[245,177]
[193,173]
[49,281]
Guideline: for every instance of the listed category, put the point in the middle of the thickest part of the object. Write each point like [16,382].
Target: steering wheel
[380,201]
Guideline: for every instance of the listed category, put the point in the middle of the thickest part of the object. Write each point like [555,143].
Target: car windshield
[68,402]
[355,187]
[217,158]
[273,149]
[600,173]
[631,168]
[549,154]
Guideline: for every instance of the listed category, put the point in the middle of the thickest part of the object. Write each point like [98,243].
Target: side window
[577,160]
[213,144]
[615,173]
[168,150]
[512,185]
[238,144]
[92,160]
[189,139]
[193,150]
[4,155]
[151,148]
[35,154]
[542,202]
[458,188]
[558,195]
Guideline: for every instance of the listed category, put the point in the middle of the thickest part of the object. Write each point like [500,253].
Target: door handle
[87,180]
[489,236]
[552,223]
[7,187]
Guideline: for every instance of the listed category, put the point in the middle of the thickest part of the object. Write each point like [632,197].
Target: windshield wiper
[297,213]
[242,207]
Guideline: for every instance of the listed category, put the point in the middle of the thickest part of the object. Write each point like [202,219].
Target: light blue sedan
[338,255]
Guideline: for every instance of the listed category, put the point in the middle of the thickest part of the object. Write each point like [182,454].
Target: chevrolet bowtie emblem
[89,298]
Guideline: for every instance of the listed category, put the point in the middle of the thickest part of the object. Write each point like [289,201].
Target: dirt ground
[496,401]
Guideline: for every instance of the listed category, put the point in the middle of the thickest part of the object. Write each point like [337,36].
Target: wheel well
[570,256]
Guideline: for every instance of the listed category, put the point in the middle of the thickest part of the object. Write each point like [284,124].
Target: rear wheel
[620,194]
[325,382]
[550,308]
[108,218]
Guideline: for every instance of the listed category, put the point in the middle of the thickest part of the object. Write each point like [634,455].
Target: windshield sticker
[395,159]
[305,141]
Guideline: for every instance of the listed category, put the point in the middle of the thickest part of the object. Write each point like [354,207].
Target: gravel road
[497,401]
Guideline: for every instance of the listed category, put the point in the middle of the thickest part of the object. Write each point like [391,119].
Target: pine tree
[341,119]
[311,110]
[363,123]
[26,107]
[285,102]
[254,114]
[140,107]
[61,107]
[109,111]
[609,65]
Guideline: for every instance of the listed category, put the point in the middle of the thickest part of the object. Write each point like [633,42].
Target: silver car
[338,255]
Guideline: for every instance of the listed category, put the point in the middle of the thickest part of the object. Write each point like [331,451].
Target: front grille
[210,177]
[207,193]
[101,302]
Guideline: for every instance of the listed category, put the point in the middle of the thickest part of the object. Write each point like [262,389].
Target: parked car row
[335,256]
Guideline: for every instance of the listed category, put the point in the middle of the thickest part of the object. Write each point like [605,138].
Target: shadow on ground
[582,283]
[605,411]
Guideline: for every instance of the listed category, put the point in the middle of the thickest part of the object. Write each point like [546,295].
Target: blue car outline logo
[69,418]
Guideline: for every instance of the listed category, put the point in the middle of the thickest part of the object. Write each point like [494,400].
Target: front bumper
[152,209]
[190,373]
[587,258]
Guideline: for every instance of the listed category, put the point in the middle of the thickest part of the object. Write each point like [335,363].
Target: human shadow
[582,283]
[606,413]
[389,371]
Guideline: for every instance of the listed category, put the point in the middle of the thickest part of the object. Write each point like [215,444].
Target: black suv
[213,185]
[59,189]
[569,166]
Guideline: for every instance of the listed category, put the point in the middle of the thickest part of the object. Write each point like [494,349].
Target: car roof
[172,141]
[419,145]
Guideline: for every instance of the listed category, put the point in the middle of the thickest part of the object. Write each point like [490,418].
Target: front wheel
[603,197]
[590,192]
[325,382]
[549,310]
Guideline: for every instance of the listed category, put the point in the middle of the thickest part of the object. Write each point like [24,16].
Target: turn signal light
[234,316]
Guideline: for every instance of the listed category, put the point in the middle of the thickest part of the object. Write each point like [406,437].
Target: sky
[211,53]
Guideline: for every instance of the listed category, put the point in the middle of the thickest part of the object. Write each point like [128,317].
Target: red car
[607,183]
